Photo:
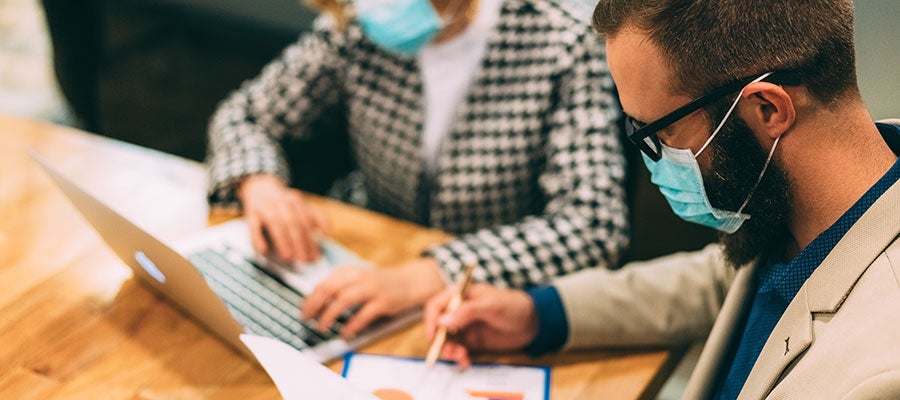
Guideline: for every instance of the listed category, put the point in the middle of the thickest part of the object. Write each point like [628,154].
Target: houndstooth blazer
[530,174]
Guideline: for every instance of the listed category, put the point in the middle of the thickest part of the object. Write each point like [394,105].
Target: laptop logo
[149,266]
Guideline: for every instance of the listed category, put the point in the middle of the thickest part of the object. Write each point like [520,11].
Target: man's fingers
[468,313]
[451,351]
[474,338]
[434,309]
[461,355]
[447,351]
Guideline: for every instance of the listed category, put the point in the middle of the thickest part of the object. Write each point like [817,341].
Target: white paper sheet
[393,378]
[300,377]
[398,378]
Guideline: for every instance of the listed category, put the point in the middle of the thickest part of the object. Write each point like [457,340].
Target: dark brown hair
[712,42]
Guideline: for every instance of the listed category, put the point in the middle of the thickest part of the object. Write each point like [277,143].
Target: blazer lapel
[790,338]
[825,291]
[734,308]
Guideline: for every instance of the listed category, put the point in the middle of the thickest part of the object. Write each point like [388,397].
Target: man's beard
[738,159]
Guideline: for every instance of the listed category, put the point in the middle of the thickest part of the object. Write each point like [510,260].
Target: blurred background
[148,72]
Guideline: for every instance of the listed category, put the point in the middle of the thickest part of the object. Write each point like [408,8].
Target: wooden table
[75,325]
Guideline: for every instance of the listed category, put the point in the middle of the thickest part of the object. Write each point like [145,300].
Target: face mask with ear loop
[402,27]
[680,181]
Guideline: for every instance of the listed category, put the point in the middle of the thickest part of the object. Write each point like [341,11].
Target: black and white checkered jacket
[530,174]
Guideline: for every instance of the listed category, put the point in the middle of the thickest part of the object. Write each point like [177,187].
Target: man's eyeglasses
[644,135]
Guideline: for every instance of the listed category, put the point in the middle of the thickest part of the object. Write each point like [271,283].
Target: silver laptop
[217,278]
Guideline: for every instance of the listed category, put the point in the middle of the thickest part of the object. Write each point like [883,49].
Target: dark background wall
[152,72]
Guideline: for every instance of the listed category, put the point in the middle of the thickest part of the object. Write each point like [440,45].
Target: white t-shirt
[448,69]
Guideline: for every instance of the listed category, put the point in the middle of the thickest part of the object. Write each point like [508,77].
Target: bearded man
[749,118]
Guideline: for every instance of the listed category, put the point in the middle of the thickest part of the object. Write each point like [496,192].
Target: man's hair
[712,42]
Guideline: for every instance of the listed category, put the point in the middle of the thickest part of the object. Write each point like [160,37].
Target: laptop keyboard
[258,300]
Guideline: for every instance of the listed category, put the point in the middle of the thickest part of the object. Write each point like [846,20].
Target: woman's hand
[280,220]
[378,292]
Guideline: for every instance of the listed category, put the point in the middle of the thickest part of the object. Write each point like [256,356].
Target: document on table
[400,378]
[374,377]
[299,377]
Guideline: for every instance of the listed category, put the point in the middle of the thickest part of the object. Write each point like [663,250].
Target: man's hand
[378,292]
[489,318]
[274,210]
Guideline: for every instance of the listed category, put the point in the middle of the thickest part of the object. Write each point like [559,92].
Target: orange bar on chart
[483,394]
[392,394]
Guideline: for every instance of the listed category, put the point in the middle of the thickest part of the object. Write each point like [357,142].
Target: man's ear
[767,109]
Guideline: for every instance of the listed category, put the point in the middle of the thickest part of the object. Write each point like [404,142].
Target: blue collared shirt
[553,329]
[779,282]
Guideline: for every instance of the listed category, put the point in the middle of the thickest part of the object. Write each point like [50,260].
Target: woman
[491,119]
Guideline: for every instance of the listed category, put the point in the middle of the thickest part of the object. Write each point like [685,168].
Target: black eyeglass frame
[638,132]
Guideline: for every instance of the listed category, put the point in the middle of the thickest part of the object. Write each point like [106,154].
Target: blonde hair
[334,8]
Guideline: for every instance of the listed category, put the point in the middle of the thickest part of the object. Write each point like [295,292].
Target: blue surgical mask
[679,179]
[399,26]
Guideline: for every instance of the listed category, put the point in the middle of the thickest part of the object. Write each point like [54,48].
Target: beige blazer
[838,339]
